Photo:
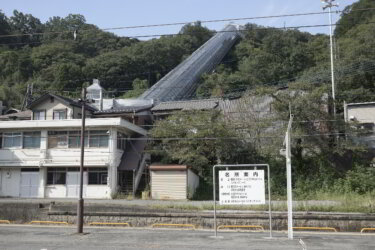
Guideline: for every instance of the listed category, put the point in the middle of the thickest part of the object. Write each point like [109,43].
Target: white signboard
[242,187]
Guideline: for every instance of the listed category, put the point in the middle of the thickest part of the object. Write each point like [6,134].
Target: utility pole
[80,199]
[329,5]
[287,152]
[288,157]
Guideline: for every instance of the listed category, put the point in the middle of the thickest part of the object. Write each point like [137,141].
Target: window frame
[102,137]
[38,111]
[39,136]
[121,141]
[59,111]
[101,175]
[55,172]
[4,136]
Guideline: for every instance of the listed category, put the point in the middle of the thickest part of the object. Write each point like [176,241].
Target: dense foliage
[65,53]
[262,62]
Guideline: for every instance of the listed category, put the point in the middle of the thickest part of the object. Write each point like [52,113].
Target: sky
[117,13]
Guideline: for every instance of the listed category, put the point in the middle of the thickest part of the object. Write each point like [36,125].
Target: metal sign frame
[254,166]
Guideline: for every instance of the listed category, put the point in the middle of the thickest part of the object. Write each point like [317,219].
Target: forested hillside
[66,53]
[275,57]
[53,59]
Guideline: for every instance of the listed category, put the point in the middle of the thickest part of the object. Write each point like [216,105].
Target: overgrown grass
[317,202]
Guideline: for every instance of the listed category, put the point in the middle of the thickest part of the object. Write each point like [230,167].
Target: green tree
[139,86]
[199,139]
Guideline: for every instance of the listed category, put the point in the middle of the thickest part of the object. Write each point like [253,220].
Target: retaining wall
[143,217]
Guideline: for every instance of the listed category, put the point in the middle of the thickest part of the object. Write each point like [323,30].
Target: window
[98,176]
[39,114]
[98,138]
[31,139]
[57,139]
[12,140]
[121,141]
[56,176]
[59,114]
[72,139]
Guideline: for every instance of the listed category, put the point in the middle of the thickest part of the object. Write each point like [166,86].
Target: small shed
[172,182]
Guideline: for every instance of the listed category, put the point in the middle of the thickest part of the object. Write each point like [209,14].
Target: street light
[329,5]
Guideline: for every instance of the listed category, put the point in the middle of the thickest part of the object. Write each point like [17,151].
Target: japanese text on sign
[241,187]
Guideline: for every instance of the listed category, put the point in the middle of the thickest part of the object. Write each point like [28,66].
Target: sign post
[242,187]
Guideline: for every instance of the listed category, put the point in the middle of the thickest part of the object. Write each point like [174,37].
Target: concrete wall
[362,114]
[89,191]
[98,191]
[55,191]
[20,157]
[72,157]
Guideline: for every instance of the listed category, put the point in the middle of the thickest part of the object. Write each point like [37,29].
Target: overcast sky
[117,13]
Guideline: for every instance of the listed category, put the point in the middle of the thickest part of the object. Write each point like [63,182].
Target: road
[64,237]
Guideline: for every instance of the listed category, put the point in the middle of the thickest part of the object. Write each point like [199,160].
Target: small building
[172,182]
[362,116]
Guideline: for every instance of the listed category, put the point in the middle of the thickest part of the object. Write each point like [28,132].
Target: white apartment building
[40,157]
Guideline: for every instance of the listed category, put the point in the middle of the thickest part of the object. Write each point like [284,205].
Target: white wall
[10,182]
[98,191]
[20,157]
[362,114]
[55,191]
[70,156]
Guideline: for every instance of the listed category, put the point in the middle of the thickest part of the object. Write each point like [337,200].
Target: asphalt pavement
[64,237]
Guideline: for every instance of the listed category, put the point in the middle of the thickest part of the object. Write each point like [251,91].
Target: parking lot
[64,237]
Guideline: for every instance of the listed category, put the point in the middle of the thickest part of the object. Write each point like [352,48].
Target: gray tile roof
[204,104]
[23,115]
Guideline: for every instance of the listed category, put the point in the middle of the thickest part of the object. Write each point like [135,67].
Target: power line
[216,32]
[191,22]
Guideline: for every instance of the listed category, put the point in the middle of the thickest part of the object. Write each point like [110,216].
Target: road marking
[173,225]
[317,228]
[240,226]
[110,223]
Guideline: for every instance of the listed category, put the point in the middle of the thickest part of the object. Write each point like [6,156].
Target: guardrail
[240,226]
[4,221]
[367,229]
[317,228]
[49,222]
[173,225]
[110,223]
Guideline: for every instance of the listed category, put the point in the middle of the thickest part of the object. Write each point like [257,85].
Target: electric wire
[192,22]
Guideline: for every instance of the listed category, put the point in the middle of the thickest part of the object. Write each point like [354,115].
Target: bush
[360,180]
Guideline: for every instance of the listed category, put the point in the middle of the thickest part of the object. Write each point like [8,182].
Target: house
[40,152]
[362,116]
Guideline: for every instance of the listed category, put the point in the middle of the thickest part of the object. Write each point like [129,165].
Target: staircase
[126,180]
[132,166]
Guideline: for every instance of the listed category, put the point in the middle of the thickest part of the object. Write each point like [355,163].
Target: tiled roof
[121,110]
[61,98]
[24,115]
[204,104]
